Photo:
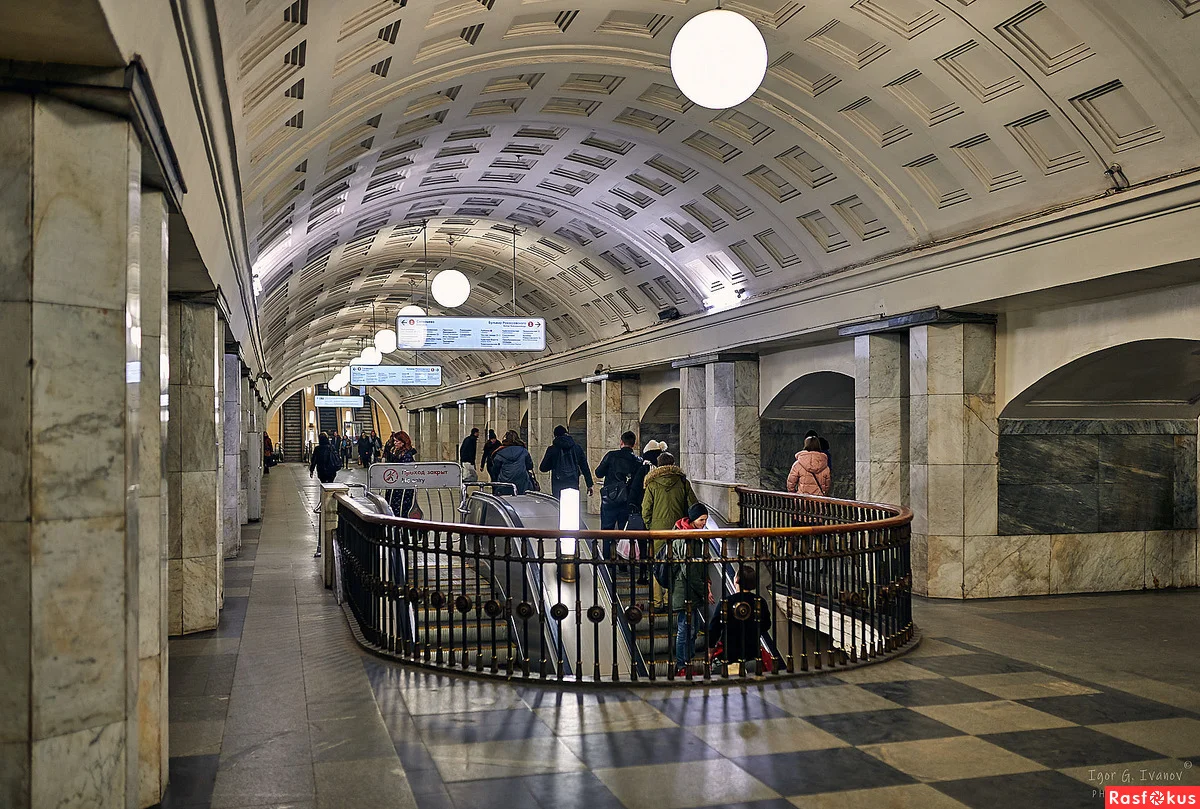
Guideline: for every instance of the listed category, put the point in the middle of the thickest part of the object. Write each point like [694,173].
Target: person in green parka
[668,497]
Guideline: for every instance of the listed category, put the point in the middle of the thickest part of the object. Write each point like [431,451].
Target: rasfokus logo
[1152,796]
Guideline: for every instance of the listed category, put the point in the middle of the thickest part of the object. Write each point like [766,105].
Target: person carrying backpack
[691,591]
[565,461]
[668,496]
[325,461]
[619,469]
[512,463]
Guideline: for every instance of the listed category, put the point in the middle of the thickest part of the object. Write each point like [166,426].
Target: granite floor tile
[880,727]
[536,756]
[911,693]
[766,736]
[198,709]
[937,647]
[496,793]
[604,717]
[581,790]
[818,771]
[887,672]
[684,785]
[702,707]
[480,726]
[1177,738]
[378,783]
[200,738]
[828,700]
[991,717]
[1070,747]
[1108,706]
[908,796]
[962,665]
[261,750]
[191,780]
[1026,685]
[349,739]
[248,786]
[1050,789]
[605,750]
[950,758]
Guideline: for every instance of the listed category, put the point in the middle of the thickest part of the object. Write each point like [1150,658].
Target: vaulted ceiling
[881,125]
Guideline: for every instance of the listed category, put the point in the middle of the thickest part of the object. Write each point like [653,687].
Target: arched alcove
[577,425]
[821,401]
[525,427]
[1104,444]
[661,421]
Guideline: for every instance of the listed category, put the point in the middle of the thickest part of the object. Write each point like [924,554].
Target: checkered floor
[947,726]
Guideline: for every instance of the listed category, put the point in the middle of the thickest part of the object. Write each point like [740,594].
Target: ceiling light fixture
[718,59]
[385,338]
[450,287]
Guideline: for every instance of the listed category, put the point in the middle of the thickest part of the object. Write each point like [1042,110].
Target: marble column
[612,408]
[547,409]
[503,413]
[414,426]
[472,414]
[194,466]
[692,454]
[247,425]
[231,443]
[881,417]
[254,457]
[152,505]
[70,322]
[732,422]
[429,449]
[447,422]
[953,444]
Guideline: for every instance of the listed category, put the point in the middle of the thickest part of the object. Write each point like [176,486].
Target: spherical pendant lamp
[410,328]
[451,288]
[371,356]
[718,59]
[385,340]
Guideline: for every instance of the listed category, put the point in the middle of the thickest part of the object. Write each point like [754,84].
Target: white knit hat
[652,445]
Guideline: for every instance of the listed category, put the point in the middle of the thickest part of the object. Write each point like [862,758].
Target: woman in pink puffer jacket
[810,473]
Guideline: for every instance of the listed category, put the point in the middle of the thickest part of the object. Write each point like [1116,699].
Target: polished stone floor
[1031,703]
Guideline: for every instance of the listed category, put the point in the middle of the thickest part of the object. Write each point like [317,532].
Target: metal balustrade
[538,605]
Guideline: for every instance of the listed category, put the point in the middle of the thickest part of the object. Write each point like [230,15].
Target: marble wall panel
[15,639]
[980,500]
[175,596]
[1136,459]
[982,435]
[944,562]
[16,192]
[918,483]
[1049,508]
[1029,459]
[946,427]
[1171,559]
[946,499]
[945,359]
[77,591]
[200,593]
[883,429]
[150,738]
[83,768]
[150,552]
[1185,483]
[1133,507]
[199,513]
[1092,563]
[1000,567]
[979,359]
[16,335]
[919,559]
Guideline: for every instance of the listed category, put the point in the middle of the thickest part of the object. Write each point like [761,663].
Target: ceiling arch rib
[881,124]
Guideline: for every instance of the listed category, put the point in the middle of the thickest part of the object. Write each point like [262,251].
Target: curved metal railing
[834,577]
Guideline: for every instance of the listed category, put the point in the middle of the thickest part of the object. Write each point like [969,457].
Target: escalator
[292,428]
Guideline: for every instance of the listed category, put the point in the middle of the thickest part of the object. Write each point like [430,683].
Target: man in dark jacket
[366,448]
[741,619]
[466,452]
[620,469]
[565,461]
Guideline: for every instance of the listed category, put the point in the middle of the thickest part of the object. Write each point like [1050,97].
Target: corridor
[280,708]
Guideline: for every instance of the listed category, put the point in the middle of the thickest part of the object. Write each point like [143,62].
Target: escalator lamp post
[568,521]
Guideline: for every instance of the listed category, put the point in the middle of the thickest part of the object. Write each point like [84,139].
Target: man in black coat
[566,461]
[620,469]
[466,452]
[366,448]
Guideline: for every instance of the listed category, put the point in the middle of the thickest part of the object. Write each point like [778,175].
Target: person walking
[668,497]
[742,618]
[619,468]
[468,448]
[566,461]
[365,450]
[490,446]
[399,449]
[512,463]
[346,449]
[691,591]
[810,473]
[324,461]
[376,447]
[268,454]
[824,445]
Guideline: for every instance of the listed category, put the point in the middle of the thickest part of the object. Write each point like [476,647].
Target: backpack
[662,569]
[616,493]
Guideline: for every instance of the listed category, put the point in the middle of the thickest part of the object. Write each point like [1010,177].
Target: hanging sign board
[339,401]
[414,476]
[379,375]
[477,333]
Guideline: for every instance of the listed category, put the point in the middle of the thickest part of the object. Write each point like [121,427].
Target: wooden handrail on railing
[835,576]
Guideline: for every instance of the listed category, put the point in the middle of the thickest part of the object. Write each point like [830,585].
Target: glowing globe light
[371,356]
[412,311]
[718,59]
[451,288]
[410,327]
[385,341]
[358,360]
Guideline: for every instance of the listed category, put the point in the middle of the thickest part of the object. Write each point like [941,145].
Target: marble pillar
[692,453]
[254,457]
[414,426]
[429,449]
[231,444]
[70,323]
[881,417]
[613,407]
[472,415]
[152,505]
[953,451]
[246,421]
[447,423]
[194,466]
[547,409]
[731,423]
[503,414]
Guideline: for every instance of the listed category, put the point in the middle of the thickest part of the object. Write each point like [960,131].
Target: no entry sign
[415,476]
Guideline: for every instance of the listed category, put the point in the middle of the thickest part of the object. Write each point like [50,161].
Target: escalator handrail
[635,652]
[534,572]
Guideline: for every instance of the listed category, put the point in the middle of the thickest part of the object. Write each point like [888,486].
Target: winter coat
[466,453]
[741,635]
[565,461]
[668,497]
[620,468]
[511,464]
[489,447]
[810,474]
[690,582]
[365,445]
[325,462]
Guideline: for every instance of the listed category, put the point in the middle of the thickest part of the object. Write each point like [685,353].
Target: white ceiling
[882,125]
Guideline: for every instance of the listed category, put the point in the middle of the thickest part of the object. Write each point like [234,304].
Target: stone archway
[661,421]
[821,401]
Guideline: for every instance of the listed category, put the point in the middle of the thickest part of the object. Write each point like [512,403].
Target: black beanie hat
[697,511]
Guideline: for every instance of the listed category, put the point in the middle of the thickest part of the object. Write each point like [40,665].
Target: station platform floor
[1030,703]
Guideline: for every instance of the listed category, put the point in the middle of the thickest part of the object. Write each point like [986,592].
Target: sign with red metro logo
[1152,796]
